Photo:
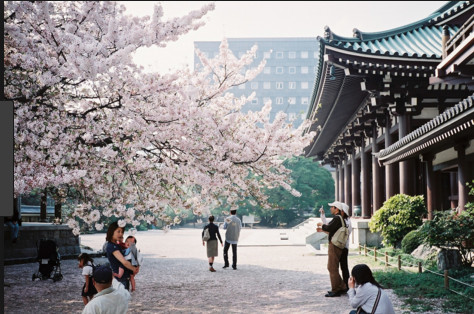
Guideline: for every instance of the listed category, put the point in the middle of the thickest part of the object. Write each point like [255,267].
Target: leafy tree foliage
[399,215]
[314,183]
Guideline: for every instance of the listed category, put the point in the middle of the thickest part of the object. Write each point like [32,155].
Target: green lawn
[420,291]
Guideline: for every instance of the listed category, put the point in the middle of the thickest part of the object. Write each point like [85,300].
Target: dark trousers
[344,266]
[234,254]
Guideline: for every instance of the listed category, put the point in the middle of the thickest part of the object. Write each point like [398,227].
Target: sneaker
[225,266]
[212,269]
[234,267]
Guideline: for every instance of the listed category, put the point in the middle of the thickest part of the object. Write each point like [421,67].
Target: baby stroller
[49,261]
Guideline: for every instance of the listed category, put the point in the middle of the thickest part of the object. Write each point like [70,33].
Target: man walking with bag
[338,286]
[232,225]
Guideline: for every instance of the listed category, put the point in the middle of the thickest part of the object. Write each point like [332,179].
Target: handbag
[340,237]
[361,311]
[206,236]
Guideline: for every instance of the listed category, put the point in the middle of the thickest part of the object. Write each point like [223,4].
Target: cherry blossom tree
[127,142]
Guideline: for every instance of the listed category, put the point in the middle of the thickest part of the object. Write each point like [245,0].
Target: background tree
[129,142]
[314,184]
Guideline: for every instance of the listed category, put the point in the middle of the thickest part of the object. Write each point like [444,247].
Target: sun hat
[345,208]
[336,204]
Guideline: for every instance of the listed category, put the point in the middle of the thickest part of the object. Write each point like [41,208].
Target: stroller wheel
[57,277]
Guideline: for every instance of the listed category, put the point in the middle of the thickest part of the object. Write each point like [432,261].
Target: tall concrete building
[287,79]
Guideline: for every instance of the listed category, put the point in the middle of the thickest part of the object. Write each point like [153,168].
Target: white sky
[232,19]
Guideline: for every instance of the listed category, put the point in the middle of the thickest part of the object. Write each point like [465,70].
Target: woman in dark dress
[212,242]
[115,256]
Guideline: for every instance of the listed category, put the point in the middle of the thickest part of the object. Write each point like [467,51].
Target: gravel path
[175,279]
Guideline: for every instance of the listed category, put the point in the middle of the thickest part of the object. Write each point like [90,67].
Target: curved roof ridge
[442,13]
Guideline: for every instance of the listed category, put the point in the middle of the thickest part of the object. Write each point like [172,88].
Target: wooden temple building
[393,111]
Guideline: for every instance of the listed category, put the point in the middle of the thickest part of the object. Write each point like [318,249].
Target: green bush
[399,215]
[411,241]
[453,230]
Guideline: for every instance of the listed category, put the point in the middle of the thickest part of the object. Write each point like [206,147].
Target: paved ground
[175,278]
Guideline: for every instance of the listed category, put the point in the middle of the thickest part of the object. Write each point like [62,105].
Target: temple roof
[453,122]
[420,39]
[412,51]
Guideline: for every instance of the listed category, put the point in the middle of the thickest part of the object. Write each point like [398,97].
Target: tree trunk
[57,210]
[44,198]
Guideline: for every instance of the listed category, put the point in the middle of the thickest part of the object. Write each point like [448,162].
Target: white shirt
[366,295]
[87,269]
[109,301]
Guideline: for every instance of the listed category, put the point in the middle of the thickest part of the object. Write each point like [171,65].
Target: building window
[266,85]
[304,70]
[279,70]
[242,86]
[266,70]
[292,85]
[292,70]
[304,55]
[267,54]
[255,101]
[304,85]
[292,54]
[279,100]
[292,100]
[315,70]
[254,85]
[304,100]
[266,99]
[279,85]
[292,116]
[279,55]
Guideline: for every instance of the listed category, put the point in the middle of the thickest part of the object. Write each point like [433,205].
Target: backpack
[339,238]
[206,236]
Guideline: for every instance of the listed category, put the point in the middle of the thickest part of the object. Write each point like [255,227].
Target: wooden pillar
[377,186]
[43,204]
[404,166]
[454,189]
[365,182]
[462,176]
[347,184]
[430,185]
[341,182]
[336,190]
[355,181]
[390,189]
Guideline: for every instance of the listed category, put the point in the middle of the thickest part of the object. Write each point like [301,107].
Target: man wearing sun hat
[338,286]
[108,299]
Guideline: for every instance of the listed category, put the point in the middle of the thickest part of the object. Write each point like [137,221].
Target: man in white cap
[338,286]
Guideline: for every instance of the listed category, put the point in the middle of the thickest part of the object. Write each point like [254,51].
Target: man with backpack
[338,286]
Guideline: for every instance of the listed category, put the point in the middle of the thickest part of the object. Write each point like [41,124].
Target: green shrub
[452,229]
[411,241]
[399,215]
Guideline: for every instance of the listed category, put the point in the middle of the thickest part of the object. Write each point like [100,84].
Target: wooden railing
[460,35]
[400,263]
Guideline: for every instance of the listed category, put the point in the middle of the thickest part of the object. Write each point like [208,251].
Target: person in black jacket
[212,242]
[338,286]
